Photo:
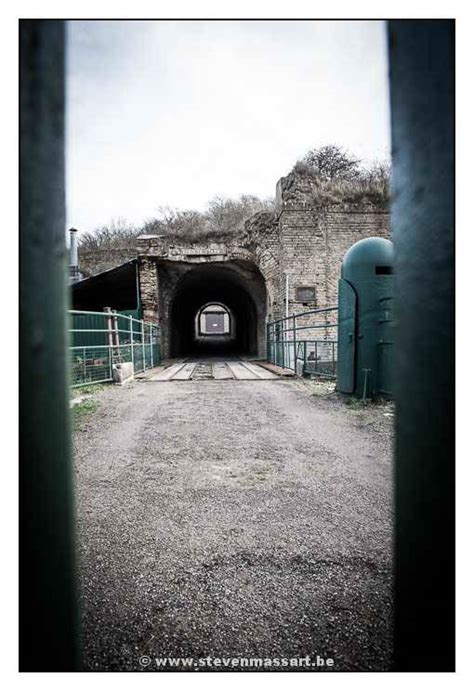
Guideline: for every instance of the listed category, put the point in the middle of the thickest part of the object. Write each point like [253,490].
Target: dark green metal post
[48,619]
[422,110]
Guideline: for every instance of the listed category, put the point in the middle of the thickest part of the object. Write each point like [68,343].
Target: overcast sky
[173,113]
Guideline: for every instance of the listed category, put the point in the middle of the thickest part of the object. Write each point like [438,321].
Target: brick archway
[241,288]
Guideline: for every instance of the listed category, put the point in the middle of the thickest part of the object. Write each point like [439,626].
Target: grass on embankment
[86,406]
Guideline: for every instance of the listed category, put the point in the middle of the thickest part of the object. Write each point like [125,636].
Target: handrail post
[109,325]
[131,341]
[116,333]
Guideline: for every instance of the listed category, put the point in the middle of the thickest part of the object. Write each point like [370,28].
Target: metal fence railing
[100,340]
[305,342]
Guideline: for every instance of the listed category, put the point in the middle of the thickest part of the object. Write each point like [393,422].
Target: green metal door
[346,338]
[385,346]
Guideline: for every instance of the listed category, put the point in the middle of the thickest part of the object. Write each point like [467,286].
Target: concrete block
[122,372]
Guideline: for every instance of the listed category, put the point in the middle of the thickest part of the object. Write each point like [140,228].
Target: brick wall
[313,242]
[304,240]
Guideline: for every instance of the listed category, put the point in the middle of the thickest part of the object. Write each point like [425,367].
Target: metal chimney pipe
[73,260]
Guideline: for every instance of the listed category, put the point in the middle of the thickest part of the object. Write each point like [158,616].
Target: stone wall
[313,242]
[304,240]
[163,266]
[149,288]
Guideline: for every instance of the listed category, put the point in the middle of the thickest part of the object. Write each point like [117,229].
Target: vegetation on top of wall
[338,177]
[223,218]
[329,175]
[107,246]
[118,234]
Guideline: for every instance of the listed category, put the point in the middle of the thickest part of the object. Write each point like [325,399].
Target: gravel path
[233,519]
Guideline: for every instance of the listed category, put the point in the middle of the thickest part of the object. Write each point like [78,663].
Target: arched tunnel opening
[219,310]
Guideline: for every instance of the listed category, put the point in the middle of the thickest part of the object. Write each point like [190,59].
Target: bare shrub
[330,162]
[223,218]
[117,234]
[337,177]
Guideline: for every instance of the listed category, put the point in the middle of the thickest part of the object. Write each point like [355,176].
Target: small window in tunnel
[214,320]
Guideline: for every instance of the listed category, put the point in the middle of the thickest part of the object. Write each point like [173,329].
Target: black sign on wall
[305,293]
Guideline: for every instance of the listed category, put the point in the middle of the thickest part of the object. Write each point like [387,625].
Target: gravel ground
[234,519]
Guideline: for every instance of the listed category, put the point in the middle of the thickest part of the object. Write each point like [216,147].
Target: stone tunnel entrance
[218,309]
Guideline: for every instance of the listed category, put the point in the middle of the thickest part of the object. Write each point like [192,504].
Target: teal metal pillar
[48,615]
[421,57]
